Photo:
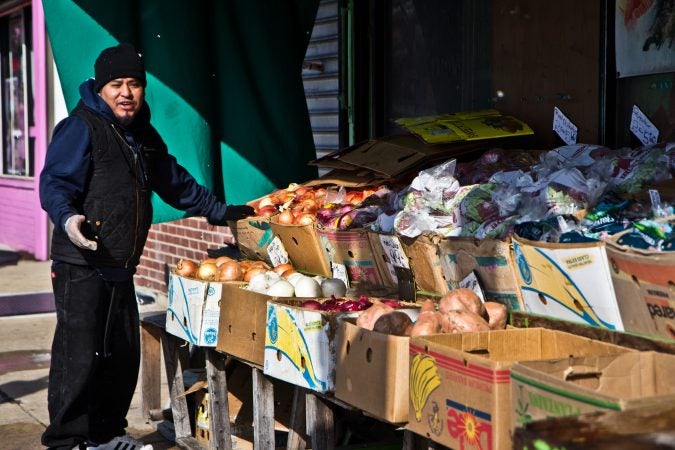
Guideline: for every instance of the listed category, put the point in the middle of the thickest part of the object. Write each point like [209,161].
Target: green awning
[224,82]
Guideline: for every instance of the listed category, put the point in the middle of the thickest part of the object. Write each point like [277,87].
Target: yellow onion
[207,271]
[229,271]
[186,268]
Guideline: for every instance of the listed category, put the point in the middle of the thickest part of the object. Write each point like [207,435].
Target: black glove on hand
[236,212]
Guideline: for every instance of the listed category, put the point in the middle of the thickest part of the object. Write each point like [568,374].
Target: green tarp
[224,82]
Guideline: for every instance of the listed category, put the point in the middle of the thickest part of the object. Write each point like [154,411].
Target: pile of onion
[300,199]
[222,268]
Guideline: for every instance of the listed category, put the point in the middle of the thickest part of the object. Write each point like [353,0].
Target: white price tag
[340,272]
[564,127]
[277,252]
[643,128]
[394,251]
[471,282]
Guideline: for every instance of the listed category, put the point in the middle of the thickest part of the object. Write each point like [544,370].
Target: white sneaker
[125,442]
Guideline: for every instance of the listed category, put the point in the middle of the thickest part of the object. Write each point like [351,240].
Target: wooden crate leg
[151,388]
[263,411]
[174,376]
[297,440]
[319,420]
[219,408]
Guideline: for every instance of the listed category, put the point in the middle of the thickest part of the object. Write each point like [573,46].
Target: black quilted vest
[116,201]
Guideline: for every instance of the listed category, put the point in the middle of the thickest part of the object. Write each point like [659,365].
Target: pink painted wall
[23,225]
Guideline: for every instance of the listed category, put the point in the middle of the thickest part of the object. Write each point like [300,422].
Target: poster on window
[644,32]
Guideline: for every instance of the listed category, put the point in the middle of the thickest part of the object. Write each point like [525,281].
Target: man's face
[125,97]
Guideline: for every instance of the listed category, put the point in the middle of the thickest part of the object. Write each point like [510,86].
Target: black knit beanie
[121,61]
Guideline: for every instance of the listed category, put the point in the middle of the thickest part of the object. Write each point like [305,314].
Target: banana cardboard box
[567,281]
[193,310]
[460,384]
[243,322]
[643,282]
[492,262]
[300,345]
[573,386]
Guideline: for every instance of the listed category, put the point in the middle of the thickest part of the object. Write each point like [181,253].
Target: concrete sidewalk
[24,367]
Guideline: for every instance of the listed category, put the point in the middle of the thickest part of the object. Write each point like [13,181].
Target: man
[102,165]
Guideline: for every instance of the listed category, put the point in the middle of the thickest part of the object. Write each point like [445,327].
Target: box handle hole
[369,354]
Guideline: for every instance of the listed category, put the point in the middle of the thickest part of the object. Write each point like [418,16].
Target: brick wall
[169,242]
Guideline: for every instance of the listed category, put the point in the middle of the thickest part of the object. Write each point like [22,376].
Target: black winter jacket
[98,168]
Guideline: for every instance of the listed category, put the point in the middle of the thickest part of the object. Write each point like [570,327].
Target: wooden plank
[297,439]
[319,420]
[647,428]
[151,397]
[263,411]
[643,343]
[219,409]
[174,376]
[190,443]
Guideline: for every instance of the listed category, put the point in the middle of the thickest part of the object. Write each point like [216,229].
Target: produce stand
[311,416]
[511,305]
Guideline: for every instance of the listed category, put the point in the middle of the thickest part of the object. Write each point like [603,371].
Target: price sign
[340,272]
[564,127]
[643,128]
[394,251]
[277,252]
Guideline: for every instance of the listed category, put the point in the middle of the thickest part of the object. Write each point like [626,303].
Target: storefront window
[17,143]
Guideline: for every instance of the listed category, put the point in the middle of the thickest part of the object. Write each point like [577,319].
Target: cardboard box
[372,372]
[460,393]
[568,281]
[573,386]
[193,309]
[643,282]
[253,235]
[388,255]
[300,345]
[242,324]
[425,262]
[379,160]
[352,249]
[490,259]
[304,248]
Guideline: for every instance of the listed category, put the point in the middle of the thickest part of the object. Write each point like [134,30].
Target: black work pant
[91,387]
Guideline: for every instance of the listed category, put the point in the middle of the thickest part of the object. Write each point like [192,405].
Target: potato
[462,321]
[496,315]
[395,323]
[368,317]
[462,299]
[428,322]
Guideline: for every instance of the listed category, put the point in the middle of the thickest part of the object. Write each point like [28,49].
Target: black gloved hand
[234,212]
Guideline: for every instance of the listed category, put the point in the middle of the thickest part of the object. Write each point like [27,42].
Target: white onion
[280,288]
[294,277]
[258,283]
[307,287]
